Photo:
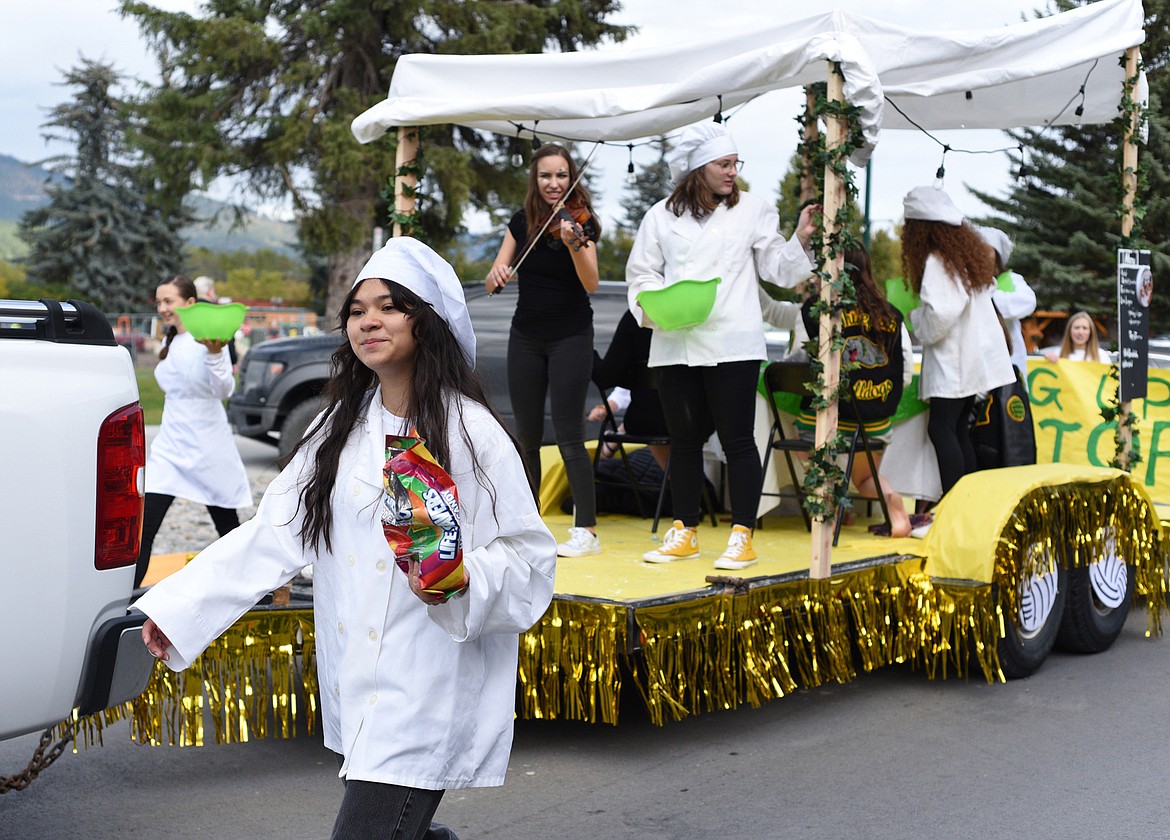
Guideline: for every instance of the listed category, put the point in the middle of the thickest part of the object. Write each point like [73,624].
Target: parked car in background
[281,381]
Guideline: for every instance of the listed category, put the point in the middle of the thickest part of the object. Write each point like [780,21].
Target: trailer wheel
[1030,635]
[1099,598]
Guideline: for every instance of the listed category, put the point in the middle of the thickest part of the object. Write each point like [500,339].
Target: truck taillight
[121,460]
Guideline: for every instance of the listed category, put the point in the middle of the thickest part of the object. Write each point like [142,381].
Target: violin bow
[560,205]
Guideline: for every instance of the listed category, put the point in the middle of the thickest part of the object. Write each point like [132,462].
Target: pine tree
[98,231]
[266,90]
[1063,213]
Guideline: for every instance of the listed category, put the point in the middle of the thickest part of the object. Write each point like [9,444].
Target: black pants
[560,368]
[155,509]
[376,811]
[949,428]
[701,400]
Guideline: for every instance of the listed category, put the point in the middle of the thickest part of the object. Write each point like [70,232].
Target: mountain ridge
[22,188]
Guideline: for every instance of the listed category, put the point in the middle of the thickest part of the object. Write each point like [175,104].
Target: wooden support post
[1129,164]
[834,199]
[404,185]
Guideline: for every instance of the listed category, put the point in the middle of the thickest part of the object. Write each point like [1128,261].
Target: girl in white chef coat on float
[707,374]
[417,689]
[964,352]
[194,455]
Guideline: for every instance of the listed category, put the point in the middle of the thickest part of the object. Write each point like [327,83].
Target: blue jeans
[376,811]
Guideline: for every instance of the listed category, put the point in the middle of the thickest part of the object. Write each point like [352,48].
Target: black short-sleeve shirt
[552,302]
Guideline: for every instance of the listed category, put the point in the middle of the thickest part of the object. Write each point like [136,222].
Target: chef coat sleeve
[1019,303]
[646,266]
[781,314]
[943,302]
[196,604]
[907,358]
[219,374]
[509,554]
[784,263]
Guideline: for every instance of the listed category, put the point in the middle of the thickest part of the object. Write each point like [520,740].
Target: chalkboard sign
[1135,289]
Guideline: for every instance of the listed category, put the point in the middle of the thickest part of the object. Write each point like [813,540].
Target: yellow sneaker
[680,543]
[739,553]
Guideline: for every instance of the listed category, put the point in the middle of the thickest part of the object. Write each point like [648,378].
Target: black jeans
[949,428]
[376,811]
[700,400]
[155,509]
[561,368]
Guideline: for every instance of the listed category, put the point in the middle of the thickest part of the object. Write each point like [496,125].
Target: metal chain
[40,761]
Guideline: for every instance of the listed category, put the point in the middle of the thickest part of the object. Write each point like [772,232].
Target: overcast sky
[41,38]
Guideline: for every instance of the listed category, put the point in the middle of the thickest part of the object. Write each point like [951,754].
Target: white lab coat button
[373,636]
[351,559]
[356,490]
[340,627]
[380,565]
[373,699]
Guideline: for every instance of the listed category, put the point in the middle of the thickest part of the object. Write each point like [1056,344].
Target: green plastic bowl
[686,303]
[215,321]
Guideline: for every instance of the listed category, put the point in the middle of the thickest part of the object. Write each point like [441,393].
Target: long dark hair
[692,195]
[869,297]
[187,290]
[439,374]
[536,209]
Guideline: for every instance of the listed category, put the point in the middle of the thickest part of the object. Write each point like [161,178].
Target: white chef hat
[412,264]
[999,241]
[699,144]
[930,204]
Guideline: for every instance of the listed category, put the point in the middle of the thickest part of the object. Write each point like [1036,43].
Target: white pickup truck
[72,455]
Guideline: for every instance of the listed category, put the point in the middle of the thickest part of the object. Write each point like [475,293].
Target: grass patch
[150,395]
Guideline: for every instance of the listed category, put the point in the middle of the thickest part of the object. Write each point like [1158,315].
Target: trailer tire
[1030,635]
[1099,598]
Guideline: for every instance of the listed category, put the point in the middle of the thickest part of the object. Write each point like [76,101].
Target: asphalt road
[1075,751]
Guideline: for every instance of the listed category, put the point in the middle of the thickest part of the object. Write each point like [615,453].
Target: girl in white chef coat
[417,686]
[964,353]
[707,374]
[194,455]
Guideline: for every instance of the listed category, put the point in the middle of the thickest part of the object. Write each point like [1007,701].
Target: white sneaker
[582,541]
[680,543]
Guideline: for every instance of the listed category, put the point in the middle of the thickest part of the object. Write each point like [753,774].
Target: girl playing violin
[550,348]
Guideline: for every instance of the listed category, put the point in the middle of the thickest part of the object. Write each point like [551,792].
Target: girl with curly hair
[964,352]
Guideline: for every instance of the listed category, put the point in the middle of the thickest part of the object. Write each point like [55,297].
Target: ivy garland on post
[406,179]
[823,469]
[1132,115]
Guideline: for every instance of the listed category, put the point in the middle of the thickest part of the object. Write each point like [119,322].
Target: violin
[574,213]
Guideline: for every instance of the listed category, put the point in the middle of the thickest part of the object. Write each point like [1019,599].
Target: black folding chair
[612,435]
[793,378]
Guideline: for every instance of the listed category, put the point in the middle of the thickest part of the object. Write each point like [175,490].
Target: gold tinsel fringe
[716,652]
[686,659]
[256,681]
[569,663]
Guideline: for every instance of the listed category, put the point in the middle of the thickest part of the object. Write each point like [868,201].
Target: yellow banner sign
[1067,398]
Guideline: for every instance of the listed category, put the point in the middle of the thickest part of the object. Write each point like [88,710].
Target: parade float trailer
[1016,560]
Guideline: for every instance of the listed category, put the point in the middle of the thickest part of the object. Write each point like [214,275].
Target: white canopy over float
[1026,74]
[1067,69]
